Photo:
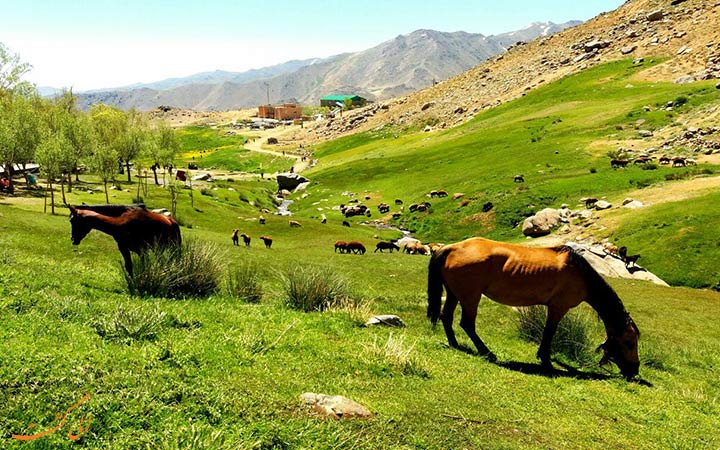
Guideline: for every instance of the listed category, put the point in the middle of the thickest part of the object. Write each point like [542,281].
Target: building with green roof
[332,100]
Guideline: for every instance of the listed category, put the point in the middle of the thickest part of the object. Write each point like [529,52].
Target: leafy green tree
[20,130]
[53,154]
[11,73]
[110,125]
[166,148]
[134,140]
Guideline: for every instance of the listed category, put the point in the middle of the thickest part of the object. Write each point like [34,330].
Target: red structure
[287,111]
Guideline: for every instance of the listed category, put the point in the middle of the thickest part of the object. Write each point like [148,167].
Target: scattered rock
[593,45]
[427,106]
[655,15]
[628,49]
[290,181]
[272,140]
[336,407]
[427,129]
[645,133]
[634,204]
[541,223]
[602,204]
[613,266]
[386,319]
[458,195]
[685,79]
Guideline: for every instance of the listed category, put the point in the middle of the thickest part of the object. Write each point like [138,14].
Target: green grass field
[217,373]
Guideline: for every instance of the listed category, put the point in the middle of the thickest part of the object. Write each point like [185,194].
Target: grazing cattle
[678,161]
[262,220]
[642,160]
[295,224]
[664,160]
[346,223]
[355,247]
[487,207]
[557,277]
[690,162]
[627,259]
[234,237]
[413,207]
[519,179]
[341,245]
[422,208]
[246,239]
[267,240]
[398,201]
[383,208]
[386,246]
[133,227]
[616,163]
[350,211]
[590,203]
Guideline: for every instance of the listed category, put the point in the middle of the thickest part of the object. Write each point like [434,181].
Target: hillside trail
[255,144]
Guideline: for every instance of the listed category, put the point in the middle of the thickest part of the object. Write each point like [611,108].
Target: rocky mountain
[395,67]
[686,33]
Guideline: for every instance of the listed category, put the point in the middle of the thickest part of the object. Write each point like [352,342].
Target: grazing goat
[628,259]
[246,239]
[295,224]
[355,247]
[341,245]
[267,240]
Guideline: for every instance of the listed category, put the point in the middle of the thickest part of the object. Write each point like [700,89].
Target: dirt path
[255,144]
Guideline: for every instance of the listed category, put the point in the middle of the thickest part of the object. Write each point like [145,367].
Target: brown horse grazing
[234,237]
[133,227]
[267,240]
[246,239]
[559,278]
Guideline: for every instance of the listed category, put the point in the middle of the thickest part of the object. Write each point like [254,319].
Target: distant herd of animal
[677,161]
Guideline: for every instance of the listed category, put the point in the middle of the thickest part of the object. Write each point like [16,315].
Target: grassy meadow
[220,373]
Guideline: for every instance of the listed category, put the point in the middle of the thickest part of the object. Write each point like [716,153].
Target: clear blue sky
[99,43]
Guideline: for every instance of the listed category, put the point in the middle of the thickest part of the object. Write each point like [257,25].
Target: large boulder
[612,266]
[541,223]
[290,181]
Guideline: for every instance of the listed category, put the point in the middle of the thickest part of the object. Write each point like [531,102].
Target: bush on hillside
[572,338]
[315,289]
[192,269]
[243,283]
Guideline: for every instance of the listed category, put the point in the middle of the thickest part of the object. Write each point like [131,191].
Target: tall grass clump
[127,325]
[192,269]
[315,289]
[396,354]
[573,336]
[243,282]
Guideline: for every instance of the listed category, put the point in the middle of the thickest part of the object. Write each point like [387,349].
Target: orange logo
[83,426]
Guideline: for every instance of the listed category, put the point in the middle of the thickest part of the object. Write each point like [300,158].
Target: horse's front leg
[554,315]
[128,259]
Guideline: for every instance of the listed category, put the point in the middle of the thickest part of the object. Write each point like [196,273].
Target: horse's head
[80,227]
[622,348]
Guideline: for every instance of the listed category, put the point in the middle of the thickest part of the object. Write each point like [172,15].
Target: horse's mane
[111,210]
[601,296]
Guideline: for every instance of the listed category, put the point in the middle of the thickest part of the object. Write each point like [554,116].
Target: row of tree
[60,138]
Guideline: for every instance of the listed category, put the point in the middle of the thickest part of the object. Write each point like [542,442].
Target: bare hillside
[687,32]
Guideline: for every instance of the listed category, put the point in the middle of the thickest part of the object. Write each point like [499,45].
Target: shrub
[649,166]
[188,270]
[681,100]
[315,289]
[208,192]
[243,283]
[593,170]
[126,325]
[572,338]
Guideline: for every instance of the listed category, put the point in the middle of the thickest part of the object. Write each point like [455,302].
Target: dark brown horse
[386,246]
[133,227]
[267,240]
[559,278]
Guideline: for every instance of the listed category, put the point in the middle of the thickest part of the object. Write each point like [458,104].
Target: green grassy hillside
[557,136]
[207,378]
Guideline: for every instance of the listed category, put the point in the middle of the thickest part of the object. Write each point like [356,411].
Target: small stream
[283,208]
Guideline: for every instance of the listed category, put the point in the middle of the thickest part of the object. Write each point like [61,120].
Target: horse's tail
[435,284]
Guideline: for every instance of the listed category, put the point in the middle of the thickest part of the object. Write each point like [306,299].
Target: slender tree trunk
[52,199]
[62,188]
[127,166]
[107,199]
[154,169]
[45,200]
[138,185]
[69,180]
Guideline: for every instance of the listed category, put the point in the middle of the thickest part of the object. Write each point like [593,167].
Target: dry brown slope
[688,33]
